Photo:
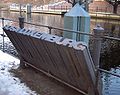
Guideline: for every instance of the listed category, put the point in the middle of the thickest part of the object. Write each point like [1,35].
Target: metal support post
[3,35]
[50,30]
[22,63]
[61,8]
[21,22]
[98,32]
[20,9]
[86,6]
[54,8]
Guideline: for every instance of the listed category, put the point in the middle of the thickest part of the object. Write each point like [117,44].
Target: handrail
[108,72]
[83,33]
[111,38]
[67,30]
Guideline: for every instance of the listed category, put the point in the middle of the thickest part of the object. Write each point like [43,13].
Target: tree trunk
[115,9]
[73,4]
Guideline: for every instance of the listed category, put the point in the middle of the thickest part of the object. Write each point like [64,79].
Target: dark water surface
[110,56]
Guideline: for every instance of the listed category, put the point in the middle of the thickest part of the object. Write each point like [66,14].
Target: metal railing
[61,29]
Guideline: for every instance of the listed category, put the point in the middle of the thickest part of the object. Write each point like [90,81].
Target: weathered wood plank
[74,72]
[53,51]
[80,78]
[53,55]
[90,65]
[27,54]
[45,56]
[36,60]
[57,61]
[66,63]
[54,70]
[84,68]
[42,54]
[13,41]
[18,43]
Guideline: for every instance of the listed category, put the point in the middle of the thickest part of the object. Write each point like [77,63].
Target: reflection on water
[110,49]
[111,84]
[112,28]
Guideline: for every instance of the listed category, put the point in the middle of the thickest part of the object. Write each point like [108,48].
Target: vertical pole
[28,8]
[20,10]
[42,7]
[22,64]
[21,19]
[48,7]
[3,35]
[21,22]
[21,25]
[86,6]
[98,32]
[50,30]
[66,8]
[61,8]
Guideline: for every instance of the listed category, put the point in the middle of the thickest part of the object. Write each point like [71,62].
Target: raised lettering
[37,35]
[78,46]
[48,37]
[21,30]
[68,42]
[43,36]
[51,38]
[6,27]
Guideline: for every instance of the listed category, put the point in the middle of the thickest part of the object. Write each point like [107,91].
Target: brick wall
[102,6]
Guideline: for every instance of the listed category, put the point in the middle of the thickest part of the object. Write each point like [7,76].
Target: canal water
[110,56]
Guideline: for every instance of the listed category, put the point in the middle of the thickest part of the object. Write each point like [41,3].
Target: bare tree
[73,2]
[115,4]
[85,2]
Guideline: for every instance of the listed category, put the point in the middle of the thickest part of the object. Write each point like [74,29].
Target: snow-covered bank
[10,85]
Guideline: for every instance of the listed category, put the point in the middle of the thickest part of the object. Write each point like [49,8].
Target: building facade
[102,6]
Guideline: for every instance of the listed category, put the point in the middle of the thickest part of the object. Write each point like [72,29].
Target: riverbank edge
[102,15]
[99,15]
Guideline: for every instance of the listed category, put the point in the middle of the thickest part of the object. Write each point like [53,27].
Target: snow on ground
[10,85]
